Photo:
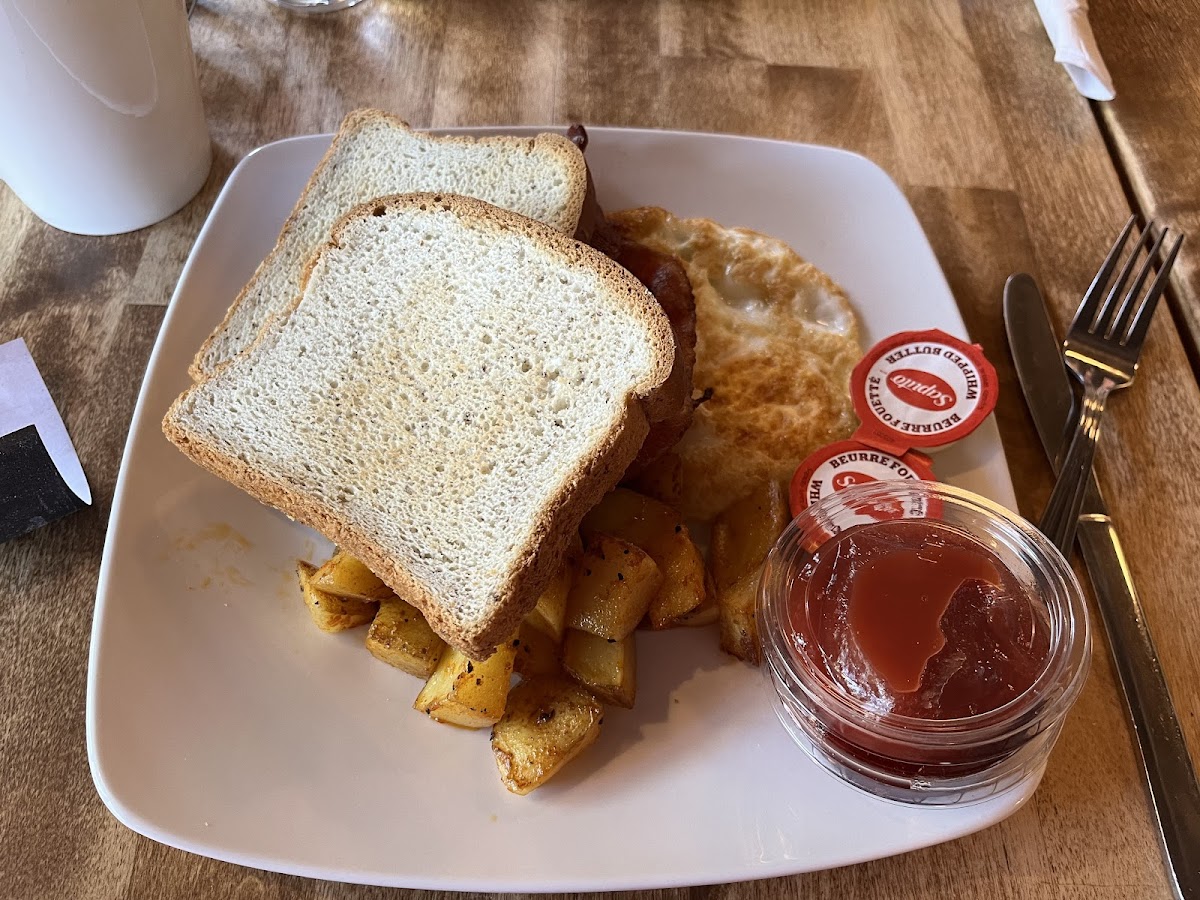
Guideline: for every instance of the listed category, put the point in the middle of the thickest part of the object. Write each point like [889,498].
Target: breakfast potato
[706,613]
[739,627]
[662,480]
[745,531]
[549,615]
[400,636]
[684,586]
[464,692]
[742,535]
[537,652]
[346,576]
[549,721]
[606,667]
[329,612]
[659,530]
[613,588]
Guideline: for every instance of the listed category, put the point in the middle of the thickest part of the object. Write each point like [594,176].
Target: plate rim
[131,818]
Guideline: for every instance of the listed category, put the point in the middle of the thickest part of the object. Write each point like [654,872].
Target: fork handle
[1061,517]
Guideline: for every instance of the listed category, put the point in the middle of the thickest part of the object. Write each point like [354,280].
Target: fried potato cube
[662,479]
[346,576]
[537,652]
[659,530]
[605,667]
[464,692]
[329,612]
[549,615]
[613,588]
[549,721]
[706,613]
[745,531]
[739,627]
[400,636]
[742,536]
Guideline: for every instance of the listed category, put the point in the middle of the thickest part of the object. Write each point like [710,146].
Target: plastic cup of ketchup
[929,657]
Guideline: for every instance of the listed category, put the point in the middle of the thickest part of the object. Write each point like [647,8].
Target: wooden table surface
[1007,168]
[1151,127]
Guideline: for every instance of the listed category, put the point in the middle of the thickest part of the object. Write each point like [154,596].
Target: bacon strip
[665,277]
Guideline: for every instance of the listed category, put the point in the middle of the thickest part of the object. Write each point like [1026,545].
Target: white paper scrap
[25,401]
[1066,23]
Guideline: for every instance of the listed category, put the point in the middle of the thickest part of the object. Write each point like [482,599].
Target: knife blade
[1174,793]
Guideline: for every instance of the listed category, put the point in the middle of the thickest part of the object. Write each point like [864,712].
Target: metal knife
[1174,792]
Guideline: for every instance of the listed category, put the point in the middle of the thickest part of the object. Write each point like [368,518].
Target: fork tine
[1086,314]
[1141,322]
[1115,305]
[1120,323]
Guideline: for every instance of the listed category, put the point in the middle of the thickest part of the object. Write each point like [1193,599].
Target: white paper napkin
[25,401]
[1066,23]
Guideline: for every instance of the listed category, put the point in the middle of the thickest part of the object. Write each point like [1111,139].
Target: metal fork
[1102,350]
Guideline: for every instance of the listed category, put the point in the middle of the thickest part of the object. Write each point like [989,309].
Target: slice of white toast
[454,389]
[375,154]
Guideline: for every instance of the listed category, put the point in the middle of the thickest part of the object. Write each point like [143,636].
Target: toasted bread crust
[553,532]
[540,558]
[208,361]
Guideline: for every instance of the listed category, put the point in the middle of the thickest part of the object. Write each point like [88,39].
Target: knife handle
[1169,773]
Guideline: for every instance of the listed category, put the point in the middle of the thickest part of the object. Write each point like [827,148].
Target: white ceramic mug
[101,126]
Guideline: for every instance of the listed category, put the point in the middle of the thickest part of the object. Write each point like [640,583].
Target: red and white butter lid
[845,463]
[921,389]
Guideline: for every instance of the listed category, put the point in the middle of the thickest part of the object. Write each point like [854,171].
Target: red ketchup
[918,619]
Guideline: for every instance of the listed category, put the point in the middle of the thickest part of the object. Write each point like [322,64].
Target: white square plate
[221,722]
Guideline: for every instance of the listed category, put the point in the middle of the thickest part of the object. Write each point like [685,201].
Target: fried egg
[776,340]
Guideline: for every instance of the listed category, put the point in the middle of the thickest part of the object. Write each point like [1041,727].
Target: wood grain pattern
[1006,168]
[1153,52]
